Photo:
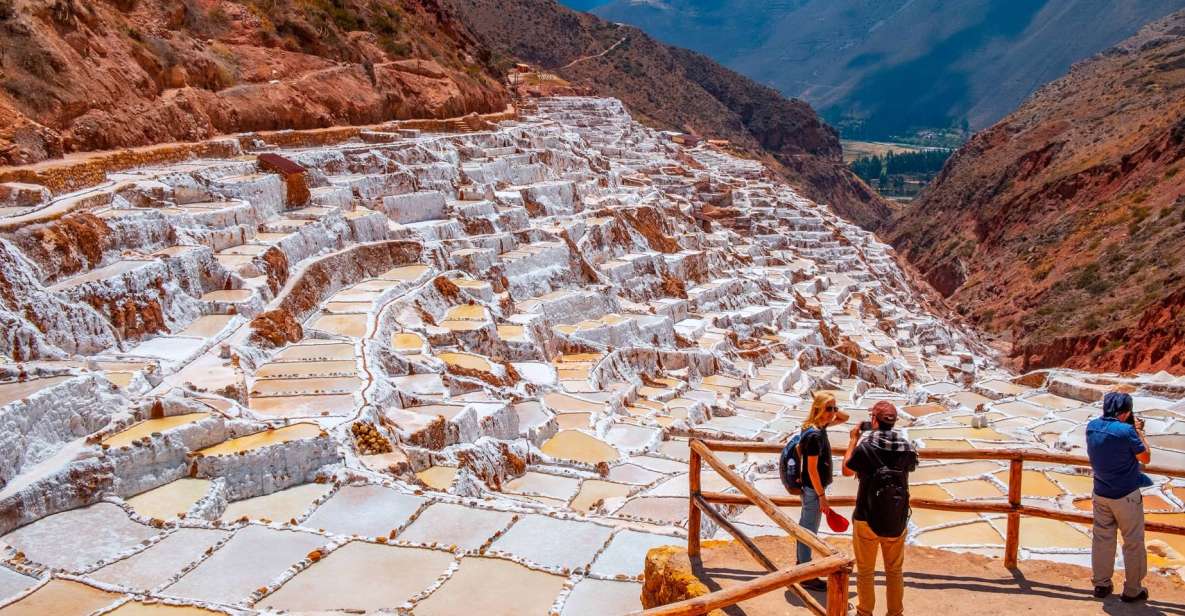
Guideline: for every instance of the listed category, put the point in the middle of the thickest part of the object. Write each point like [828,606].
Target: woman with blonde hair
[815,451]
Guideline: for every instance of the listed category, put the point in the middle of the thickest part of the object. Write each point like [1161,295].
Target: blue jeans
[808,520]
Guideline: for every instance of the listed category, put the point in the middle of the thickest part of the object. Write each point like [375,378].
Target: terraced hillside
[415,368]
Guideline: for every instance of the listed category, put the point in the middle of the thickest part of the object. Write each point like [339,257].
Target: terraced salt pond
[297,470]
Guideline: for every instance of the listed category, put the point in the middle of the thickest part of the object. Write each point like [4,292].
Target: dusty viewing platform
[433,367]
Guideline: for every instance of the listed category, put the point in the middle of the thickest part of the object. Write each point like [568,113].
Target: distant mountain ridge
[1059,228]
[882,68]
[677,89]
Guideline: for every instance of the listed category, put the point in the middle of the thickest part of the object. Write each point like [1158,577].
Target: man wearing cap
[881,459]
[1116,445]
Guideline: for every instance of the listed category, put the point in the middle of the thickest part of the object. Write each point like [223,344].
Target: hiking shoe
[1102,592]
[1143,596]
[815,585]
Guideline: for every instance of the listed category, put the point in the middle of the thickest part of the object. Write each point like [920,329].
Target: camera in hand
[865,426]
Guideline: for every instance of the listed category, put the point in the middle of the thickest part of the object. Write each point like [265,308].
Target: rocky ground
[267,379]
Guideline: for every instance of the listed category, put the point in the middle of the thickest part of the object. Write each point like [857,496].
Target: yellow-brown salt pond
[944,471]
[405,273]
[504,588]
[407,342]
[975,533]
[594,490]
[1039,533]
[306,386]
[60,596]
[1034,483]
[1074,484]
[301,406]
[463,325]
[928,518]
[579,447]
[146,428]
[572,421]
[973,489]
[263,439]
[466,312]
[306,369]
[466,361]
[349,325]
[11,392]
[229,295]
[206,326]
[982,434]
[169,500]
[512,333]
[362,576]
[561,403]
[438,477]
[279,506]
[333,351]
[135,608]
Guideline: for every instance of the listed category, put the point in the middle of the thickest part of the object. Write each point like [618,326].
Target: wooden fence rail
[829,561]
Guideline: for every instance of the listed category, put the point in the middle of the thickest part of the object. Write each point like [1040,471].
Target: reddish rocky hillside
[672,88]
[80,75]
[1061,227]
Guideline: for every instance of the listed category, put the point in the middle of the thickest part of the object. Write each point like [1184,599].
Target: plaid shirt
[888,440]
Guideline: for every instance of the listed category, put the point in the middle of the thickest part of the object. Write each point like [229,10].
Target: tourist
[815,452]
[882,459]
[1116,445]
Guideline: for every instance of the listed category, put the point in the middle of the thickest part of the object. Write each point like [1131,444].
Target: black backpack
[790,464]
[887,496]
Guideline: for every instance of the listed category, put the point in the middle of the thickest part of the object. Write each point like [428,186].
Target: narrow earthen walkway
[943,582]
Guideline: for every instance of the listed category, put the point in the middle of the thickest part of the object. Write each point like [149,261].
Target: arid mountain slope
[1061,227]
[673,88]
[81,75]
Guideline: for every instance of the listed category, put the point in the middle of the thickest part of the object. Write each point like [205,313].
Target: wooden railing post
[1012,541]
[693,513]
[837,591]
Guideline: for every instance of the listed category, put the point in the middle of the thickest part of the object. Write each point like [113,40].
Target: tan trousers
[865,544]
[1125,515]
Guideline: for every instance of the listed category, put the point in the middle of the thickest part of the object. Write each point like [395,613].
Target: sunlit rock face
[475,358]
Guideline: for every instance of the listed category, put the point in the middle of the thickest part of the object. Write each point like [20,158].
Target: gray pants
[1125,515]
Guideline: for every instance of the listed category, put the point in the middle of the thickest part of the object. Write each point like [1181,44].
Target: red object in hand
[836,522]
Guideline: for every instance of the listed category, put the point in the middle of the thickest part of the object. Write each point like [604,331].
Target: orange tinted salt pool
[263,439]
[306,386]
[974,488]
[438,477]
[463,325]
[570,421]
[334,351]
[405,273]
[60,596]
[351,325]
[466,312]
[593,490]
[279,506]
[579,446]
[207,326]
[301,369]
[10,392]
[1040,533]
[467,361]
[504,588]
[976,533]
[407,341]
[1034,483]
[559,403]
[146,428]
[301,406]
[229,295]
[512,333]
[135,608]
[171,499]
[358,576]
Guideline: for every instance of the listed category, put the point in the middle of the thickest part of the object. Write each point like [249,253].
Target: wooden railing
[829,561]
[833,563]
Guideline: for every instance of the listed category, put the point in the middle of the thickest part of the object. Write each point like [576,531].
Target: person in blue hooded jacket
[1117,447]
